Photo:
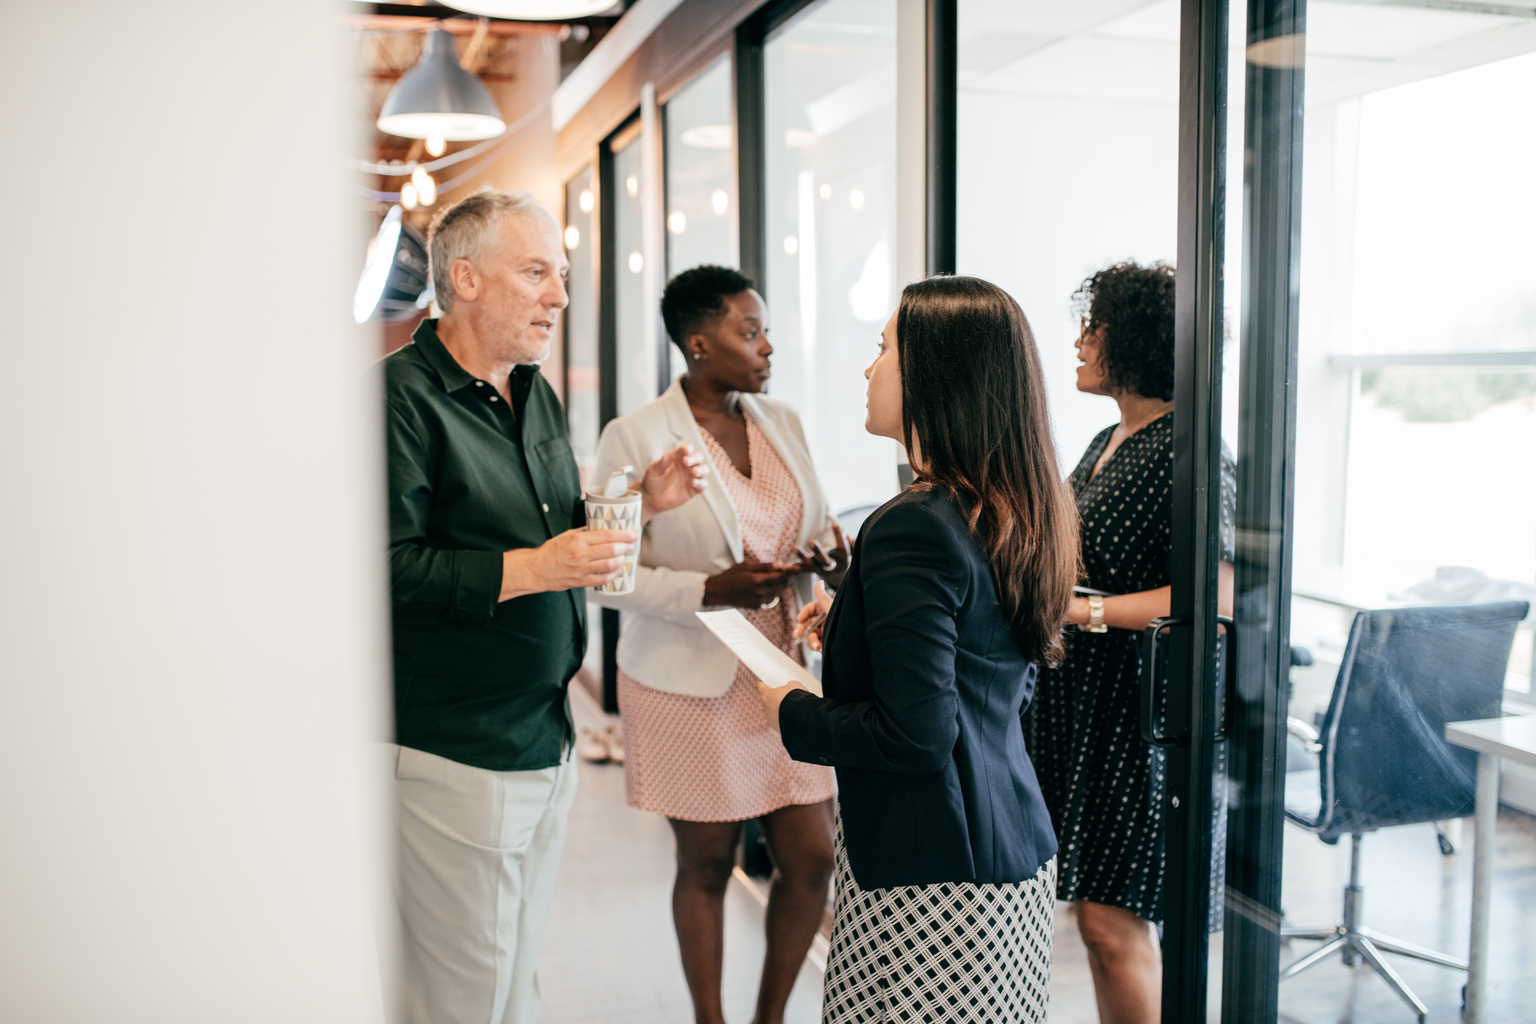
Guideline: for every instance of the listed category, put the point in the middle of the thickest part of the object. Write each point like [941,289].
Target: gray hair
[467,228]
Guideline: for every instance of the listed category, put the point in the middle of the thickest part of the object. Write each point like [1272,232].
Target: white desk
[1494,739]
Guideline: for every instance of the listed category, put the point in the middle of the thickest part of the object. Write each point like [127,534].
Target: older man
[488,557]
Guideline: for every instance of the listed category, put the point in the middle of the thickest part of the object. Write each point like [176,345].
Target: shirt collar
[439,358]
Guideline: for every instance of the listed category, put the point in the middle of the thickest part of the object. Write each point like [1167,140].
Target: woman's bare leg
[706,853]
[800,840]
[1126,963]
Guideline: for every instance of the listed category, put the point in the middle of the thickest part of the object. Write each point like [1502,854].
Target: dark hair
[973,395]
[1135,306]
[696,297]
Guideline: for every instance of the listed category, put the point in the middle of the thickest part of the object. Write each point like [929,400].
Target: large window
[701,191]
[636,362]
[831,231]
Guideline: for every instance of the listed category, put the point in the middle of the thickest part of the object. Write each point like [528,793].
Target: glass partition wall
[1341,187]
[700,177]
[830,216]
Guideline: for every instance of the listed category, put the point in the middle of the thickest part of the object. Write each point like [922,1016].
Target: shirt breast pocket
[557,481]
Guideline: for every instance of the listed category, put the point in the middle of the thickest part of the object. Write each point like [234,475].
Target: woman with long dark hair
[957,588]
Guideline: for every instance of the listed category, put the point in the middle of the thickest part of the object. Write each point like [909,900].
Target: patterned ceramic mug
[621,513]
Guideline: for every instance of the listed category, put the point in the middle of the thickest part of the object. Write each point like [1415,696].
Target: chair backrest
[1406,673]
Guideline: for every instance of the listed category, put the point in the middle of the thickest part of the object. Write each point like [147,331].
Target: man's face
[522,289]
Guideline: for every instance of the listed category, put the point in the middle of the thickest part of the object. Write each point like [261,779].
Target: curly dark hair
[696,298]
[1135,306]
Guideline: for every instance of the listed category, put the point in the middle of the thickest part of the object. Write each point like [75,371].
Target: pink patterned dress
[716,758]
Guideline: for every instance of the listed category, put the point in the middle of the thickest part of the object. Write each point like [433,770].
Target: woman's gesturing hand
[813,617]
[746,585]
[671,480]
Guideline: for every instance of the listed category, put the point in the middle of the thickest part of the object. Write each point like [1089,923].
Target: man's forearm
[520,574]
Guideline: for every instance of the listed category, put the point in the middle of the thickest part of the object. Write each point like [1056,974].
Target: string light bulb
[572,237]
[636,263]
[856,199]
[826,191]
[719,201]
[632,186]
[677,222]
[408,196]
[436,145]
[587,201]
[791,244]
[426,186]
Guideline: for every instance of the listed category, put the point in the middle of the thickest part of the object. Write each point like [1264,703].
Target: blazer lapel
[684,428]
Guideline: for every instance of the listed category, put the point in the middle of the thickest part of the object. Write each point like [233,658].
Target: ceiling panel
[1094,66]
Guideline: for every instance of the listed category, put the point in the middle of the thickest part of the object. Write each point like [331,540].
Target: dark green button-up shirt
[478,681]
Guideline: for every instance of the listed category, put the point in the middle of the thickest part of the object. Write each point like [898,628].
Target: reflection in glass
[582,409]
[636,363]
[701,222]
[831,184]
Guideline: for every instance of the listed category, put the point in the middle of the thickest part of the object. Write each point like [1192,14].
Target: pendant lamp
[533,10]
[439,99]
[395,284]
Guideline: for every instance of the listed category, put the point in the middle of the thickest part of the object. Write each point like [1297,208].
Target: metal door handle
[1151,645]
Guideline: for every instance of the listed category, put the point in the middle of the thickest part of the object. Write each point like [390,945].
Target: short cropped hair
[1135,306]
[464,230]
[695,300]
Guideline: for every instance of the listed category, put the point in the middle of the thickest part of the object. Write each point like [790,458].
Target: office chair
[1383,758]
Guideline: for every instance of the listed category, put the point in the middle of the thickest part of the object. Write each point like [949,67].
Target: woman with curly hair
[1102,782]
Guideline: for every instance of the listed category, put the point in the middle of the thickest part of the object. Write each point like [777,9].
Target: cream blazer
[661,643]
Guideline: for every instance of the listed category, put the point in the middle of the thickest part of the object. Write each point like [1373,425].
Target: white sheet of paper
[756,651]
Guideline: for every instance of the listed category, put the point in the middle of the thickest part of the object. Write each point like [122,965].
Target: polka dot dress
[716,758]
[1102,782]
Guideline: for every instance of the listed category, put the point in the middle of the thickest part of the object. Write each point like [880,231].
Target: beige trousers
[477,860]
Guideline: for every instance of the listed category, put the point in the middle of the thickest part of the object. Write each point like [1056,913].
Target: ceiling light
[632,186]
[856,199]
[826,191]
[426,186]
[408,196]
[719,201]
[572,237]
[395,284]
[438,98]
[677,222]
[795,138]
[436,145]
[533,10]
[636,262]
[586,201]
[791,244]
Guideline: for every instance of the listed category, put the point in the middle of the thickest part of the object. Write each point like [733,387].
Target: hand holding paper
[757,652]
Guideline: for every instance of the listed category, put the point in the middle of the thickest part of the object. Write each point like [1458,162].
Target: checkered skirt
[948,952]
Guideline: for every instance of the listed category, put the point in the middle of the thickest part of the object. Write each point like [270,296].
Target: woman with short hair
[1102,781]
[698,749]
[958,586]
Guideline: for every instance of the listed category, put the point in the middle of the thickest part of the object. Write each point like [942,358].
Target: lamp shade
[395,283]
[533,10]
[439,98]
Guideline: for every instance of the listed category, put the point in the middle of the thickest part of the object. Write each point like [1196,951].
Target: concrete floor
[611,955]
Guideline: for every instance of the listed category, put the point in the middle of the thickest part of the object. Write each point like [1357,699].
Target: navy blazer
[923,688]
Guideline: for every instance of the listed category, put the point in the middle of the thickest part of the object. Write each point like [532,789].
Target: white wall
[191,644]
[1050,190]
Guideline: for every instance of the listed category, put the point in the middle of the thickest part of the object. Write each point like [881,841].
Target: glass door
[1384,551]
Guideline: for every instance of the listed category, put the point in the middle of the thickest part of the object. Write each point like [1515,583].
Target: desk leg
[1482,887]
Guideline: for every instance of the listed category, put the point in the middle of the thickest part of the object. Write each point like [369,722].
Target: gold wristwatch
[1095,623]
